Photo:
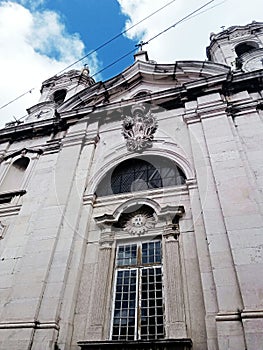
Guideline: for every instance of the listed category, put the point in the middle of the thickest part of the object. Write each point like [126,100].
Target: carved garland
[138,128]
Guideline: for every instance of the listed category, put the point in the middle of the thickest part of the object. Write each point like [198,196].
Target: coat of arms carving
[138,128]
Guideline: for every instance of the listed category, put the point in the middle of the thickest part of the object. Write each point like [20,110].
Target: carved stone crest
[138,128]
[139,223]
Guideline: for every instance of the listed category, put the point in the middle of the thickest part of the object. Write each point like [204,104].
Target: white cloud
[189,39]
[34,46]
[33,4]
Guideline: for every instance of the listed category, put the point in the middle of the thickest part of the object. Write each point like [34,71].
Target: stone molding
[239,315]
[130,196]
[9,197]
[228,316]
[33,324]
[160,344]
[23,152]
[9,210]
[248,314]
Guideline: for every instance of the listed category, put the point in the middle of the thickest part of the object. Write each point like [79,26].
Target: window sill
[164,344]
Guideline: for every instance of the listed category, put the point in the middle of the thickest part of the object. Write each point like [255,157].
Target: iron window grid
[138,300]
[138,174]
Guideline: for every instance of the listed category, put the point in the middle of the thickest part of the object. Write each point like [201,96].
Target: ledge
[6,197]
[164,344]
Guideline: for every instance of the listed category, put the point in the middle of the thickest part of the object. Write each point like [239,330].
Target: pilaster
[206,272]
[175,307]
[224,274]
[100,295]
[71,243]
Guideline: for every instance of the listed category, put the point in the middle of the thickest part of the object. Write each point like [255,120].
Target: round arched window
[15,174]
[245,47]
[139,174]
[59,96]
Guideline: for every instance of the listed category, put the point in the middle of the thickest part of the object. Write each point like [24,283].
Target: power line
[25,93]
[116,37]
[189,16]
[97,49]
[185,18]
[178,22]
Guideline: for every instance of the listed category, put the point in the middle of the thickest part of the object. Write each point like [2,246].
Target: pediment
[143,78]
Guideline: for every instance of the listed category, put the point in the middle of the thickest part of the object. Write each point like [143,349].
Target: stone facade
[197,129]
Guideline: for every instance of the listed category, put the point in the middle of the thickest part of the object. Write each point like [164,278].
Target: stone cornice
[9,210]
[33,324]
[159,344]
[172,98]
[116,199]
[239,315]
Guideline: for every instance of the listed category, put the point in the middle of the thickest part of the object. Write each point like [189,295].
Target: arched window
[138,174]
[141,94]
[59,96]
[15,174]
[245,47]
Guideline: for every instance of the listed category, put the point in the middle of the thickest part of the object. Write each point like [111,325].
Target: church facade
[131,210]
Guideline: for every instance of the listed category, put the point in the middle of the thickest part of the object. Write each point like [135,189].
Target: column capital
[171,232]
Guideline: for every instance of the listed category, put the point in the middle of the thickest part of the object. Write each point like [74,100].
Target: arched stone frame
[11,158]
[169,232]
[160,148]
[252,43]
[59,95]
[141,92]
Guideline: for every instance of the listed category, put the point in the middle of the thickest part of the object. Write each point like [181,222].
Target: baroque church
[131,209]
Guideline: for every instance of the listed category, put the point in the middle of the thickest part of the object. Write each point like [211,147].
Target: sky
[40,38]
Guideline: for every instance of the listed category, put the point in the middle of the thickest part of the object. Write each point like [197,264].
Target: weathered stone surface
[59,235]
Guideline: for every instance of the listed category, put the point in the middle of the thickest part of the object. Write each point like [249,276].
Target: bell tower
[240,47]
[58,89]
[66,85]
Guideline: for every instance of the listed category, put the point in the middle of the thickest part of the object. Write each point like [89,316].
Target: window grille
[138,174]
[138,299]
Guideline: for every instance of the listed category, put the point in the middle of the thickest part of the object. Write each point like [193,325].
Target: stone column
[206,272]
[101,290]
[62,280]
[240,210]
[230,334]
[174,301]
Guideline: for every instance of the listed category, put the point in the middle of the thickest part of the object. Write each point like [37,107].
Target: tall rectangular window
[138,296]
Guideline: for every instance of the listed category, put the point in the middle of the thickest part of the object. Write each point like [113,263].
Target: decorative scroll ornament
[139,224]
[138,128]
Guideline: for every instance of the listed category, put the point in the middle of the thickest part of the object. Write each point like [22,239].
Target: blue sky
[39,38]
[96,21]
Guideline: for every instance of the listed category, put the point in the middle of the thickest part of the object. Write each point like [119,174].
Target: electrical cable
[187,17]
[18,97]
[116,37]
[97,49]
[178,22]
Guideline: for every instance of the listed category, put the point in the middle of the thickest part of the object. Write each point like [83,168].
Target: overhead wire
[116,37]
[97,49]
[178,22]
[187,17]
[17,98]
